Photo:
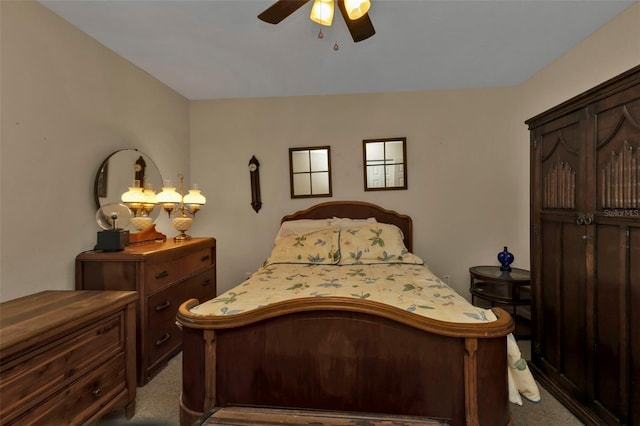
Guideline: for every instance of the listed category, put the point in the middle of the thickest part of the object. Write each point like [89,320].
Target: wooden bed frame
[333,353]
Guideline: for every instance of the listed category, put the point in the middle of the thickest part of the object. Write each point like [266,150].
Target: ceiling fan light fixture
[322,12]
[356,9]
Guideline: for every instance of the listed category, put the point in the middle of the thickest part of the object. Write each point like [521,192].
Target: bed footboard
[346,355]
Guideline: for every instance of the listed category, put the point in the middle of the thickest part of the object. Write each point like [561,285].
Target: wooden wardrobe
[585,251]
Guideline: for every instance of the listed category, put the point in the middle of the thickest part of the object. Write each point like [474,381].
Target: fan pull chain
[336,47]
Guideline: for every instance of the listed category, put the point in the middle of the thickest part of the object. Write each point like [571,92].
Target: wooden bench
[237,416]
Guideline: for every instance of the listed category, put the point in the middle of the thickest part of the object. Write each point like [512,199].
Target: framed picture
[385,164]
[310,172]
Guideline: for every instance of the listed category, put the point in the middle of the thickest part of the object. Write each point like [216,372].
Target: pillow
[374,243]
[318,247]
[300,226]
[345,222]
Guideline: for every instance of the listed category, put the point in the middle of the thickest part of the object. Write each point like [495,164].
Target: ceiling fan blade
[361,28]
[280,10]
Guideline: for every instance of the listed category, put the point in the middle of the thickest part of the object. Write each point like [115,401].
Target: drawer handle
[162,274]
[96,392]
[163,339]
[206,283]
[204,258]
[164,306]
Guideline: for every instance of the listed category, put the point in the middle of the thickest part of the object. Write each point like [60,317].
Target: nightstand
[507,289]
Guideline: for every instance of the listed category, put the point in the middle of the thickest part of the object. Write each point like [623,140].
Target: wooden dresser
[164,274]
[67,357]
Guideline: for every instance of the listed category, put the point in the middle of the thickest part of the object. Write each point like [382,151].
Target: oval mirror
[117,173]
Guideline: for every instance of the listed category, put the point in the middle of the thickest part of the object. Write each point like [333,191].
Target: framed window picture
[385,164]
[310,172]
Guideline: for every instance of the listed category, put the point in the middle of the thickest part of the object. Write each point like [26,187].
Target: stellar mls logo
[622,212]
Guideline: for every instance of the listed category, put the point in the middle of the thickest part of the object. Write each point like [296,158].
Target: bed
[339,318]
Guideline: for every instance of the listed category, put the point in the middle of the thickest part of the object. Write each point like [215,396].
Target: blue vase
[505,258]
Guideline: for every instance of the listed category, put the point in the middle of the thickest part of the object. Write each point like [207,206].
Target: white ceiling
[207,49]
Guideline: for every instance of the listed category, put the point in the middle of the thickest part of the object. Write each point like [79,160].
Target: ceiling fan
[360,28]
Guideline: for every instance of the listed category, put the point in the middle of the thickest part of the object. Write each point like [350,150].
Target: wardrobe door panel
[618,160]
[617,219]
[634,325]
[573,309]
[611,274]
[562,295]
[561,165]
[548,292]
[563,326]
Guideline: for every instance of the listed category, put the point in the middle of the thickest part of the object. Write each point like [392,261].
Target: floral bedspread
[407,286]
[412,287]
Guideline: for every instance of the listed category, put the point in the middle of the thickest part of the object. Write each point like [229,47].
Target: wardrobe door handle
[164,306]
[162,274]
[163,339]
[580,220]
[588,219]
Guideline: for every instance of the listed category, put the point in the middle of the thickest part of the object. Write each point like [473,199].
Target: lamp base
[182,236]
[141,222]
[182,225]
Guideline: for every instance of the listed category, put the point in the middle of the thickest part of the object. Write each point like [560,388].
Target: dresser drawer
[162,273]
[60,362]
[164,336]
[201,286]
[199,259]
[77,402]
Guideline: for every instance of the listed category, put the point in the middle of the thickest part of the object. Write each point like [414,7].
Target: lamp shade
[168,195]
[134,195]
[194,197]
[356,8]
[322,12]
[150,196]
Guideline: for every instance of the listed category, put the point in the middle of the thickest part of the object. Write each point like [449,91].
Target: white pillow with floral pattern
[318,247]
[300,226]
[374,243]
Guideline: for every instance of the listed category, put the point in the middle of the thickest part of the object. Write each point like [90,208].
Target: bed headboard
[357,210]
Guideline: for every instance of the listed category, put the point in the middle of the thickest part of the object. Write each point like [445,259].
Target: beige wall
[67,102]
[468,158]
[460,173]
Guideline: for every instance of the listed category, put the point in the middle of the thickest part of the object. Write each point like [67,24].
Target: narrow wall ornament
[254,174]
